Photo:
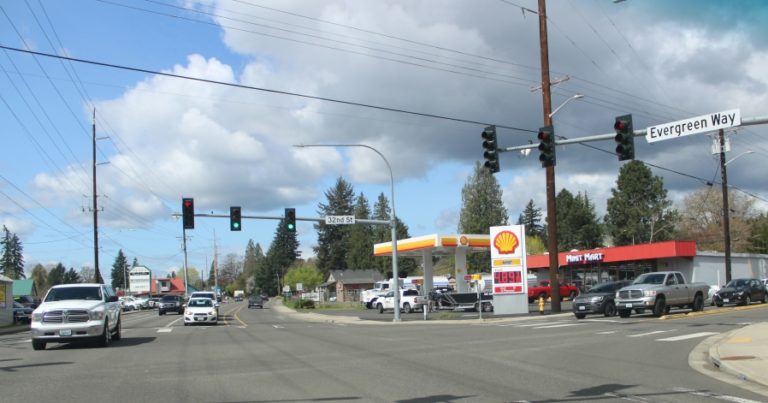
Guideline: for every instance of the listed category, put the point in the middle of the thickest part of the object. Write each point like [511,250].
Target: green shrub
[303,304]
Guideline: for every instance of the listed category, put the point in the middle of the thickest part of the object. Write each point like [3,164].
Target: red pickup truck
[544,290]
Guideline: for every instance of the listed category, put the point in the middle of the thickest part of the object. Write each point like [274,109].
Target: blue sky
[171,138]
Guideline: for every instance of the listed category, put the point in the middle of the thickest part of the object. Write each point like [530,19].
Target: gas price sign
[508,260]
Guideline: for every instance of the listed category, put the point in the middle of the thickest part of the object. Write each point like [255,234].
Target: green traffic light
[290,226]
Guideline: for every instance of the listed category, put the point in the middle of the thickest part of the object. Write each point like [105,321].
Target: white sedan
[200,310]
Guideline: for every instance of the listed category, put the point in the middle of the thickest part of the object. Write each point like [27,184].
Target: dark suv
[171,303]
[255,301]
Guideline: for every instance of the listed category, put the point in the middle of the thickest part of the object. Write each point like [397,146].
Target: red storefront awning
[647,251]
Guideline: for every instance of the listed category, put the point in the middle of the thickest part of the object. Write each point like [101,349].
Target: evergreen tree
[758,239]
[638,210]
[332,240]
[282,254]
[12,259]
[120,272]
[531,218]
[577,223]
[71,277]
[481,209]
[40,278]
[360,255]
[383,233]
[56,275]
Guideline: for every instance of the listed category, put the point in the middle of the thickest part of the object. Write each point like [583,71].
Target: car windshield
[169,298]
[202,302]
[605,287]
[738,283]
[67,293]
[652,278]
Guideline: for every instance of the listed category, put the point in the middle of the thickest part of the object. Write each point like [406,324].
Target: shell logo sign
[506,242]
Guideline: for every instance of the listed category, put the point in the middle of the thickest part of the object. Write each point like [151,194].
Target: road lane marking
[688,336]
[537,324]
[165,330]
[650,333]
[631,398]
[278,326]
[714,395]
[608,332]
[561,325]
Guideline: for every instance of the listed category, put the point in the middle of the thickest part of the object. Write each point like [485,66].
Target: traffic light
[490,144]
[625,138]
[290,219]
[235,218]
[188,212]
[547,146]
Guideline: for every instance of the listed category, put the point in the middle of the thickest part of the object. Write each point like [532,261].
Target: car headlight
[37,316]
[617,295]
[96,315]
[212,313]
[649,293]
[597,299]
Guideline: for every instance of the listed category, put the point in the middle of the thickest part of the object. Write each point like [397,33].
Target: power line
[268,90]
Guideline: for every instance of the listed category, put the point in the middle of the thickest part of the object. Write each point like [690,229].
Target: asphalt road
[265,356]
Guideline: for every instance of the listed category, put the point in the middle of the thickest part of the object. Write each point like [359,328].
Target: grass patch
[447,315]
[346,306]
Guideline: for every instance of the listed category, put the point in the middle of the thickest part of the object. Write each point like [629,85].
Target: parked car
[741,291]
[129,304]
[153,302]
[28,301]
[599,299]
[21,313]
[200,310]
[142,302]
[255,301]
[170,303]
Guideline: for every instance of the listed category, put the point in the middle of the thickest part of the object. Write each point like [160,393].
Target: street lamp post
[393,221]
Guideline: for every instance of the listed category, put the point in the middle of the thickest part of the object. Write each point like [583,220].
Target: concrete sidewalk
[743,353]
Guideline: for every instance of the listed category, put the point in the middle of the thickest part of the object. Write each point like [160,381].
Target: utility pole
[215,263]
[97,273]
[550,170]
[726,211]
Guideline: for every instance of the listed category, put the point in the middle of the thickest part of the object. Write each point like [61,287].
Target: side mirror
[112,298]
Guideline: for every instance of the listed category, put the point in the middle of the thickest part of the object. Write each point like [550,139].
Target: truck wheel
[659,307]
[103,340]
[580,315]
[698,303]
[609,309]
[487,307]
[380,307]
[118,331]
[38,345]
[407,308]
[625,313]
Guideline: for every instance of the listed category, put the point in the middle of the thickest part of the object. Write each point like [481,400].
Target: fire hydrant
[541,305]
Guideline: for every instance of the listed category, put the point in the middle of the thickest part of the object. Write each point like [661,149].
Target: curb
[725,366]
[14,329]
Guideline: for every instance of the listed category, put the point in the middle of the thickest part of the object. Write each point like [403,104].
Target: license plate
[628,305]
[198,319]
[726,300]
[582,308]
[65,332]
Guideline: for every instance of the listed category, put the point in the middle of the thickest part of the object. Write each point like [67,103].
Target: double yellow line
[234,313]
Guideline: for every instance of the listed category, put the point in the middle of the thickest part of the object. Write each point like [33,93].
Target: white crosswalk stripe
[688,336]
[650,333]
[560,325]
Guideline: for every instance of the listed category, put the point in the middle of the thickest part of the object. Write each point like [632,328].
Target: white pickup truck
[409,300]
[380,288]
[76,312]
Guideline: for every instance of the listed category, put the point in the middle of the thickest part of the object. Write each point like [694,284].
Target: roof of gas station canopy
[438,244]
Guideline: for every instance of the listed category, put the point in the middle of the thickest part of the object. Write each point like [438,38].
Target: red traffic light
[545,136]
[620,125]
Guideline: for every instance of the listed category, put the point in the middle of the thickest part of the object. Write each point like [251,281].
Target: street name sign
[699,124]
[339,219]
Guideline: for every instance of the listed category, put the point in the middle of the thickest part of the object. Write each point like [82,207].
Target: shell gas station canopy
[428,246]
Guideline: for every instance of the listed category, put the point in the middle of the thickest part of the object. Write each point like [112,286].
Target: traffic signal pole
[550,170]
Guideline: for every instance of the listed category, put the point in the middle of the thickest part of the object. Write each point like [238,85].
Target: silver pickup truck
[659,292]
